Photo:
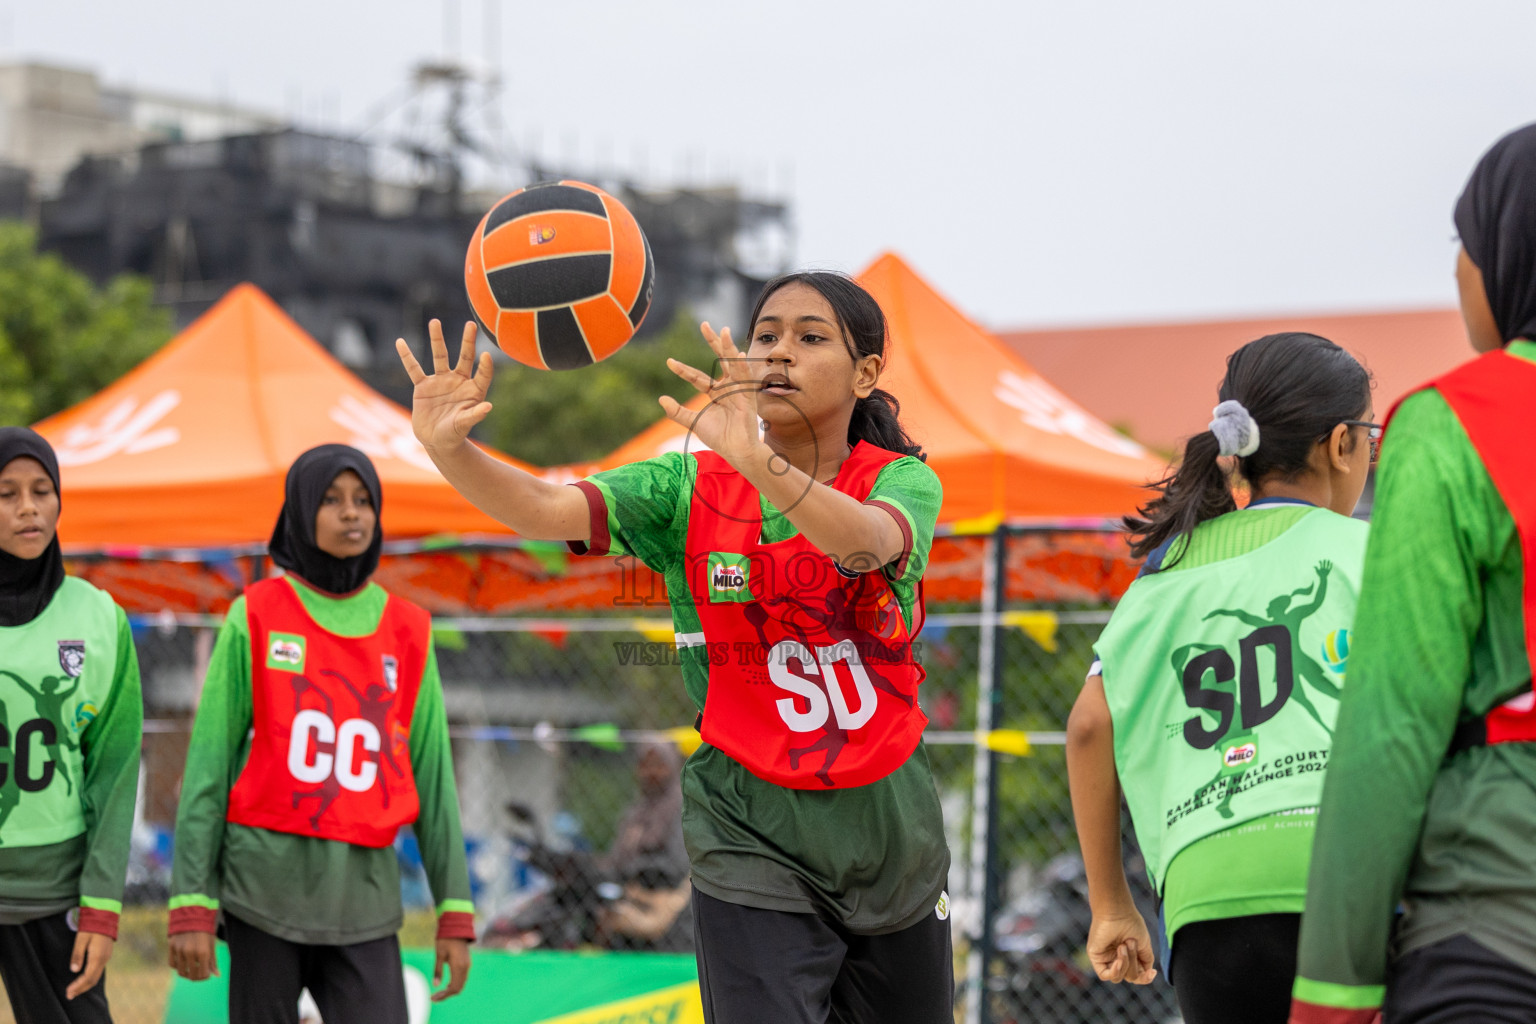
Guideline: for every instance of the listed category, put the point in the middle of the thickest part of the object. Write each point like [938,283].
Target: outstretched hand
[728,425]
[449,401]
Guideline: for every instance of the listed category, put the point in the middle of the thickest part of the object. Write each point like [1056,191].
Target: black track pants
[1461,981]
[1236,969]
[34,961]
[769,967]
[356,984]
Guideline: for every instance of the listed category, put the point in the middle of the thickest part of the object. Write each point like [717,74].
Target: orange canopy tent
[190,449]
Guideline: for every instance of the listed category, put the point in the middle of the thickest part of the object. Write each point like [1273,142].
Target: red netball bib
[819,689]
[330,754]
[1494,396]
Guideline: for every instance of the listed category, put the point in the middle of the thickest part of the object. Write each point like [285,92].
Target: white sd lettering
[800,686]
[317,724]
[821,703]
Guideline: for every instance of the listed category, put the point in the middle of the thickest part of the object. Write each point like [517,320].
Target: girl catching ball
[319,733]
[1212,702]
[793,557]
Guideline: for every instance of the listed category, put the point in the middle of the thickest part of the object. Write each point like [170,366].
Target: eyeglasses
[1374,437]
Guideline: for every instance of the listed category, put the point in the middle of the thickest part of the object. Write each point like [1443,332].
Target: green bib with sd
[1223,679]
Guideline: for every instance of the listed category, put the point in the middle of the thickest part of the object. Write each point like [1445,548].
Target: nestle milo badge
[729,577]
[1238,753]
[285,652]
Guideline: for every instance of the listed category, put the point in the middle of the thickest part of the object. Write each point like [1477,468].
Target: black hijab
[293,538]
[28,584]
[1496,218]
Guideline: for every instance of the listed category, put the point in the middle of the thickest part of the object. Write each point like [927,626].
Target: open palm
[449,401]
[728,425]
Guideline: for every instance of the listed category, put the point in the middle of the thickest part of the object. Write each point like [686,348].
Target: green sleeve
[111,746]
[641,509]
[223,722]
[1433,530]
[437,827]
[911,489]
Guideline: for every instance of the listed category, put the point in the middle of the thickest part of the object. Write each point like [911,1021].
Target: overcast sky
[1040,163]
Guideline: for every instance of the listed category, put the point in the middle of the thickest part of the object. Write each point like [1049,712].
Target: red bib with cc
[819,687]
[330,751]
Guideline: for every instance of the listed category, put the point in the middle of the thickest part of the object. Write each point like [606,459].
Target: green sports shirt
[73,667]
[873,858]
[1440,638]
[304,888]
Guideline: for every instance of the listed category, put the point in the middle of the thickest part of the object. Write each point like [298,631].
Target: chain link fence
[562,726]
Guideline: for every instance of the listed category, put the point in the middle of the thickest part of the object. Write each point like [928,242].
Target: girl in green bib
[71,722]
[1211,703]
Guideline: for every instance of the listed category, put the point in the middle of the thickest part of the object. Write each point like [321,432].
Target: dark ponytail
[876,418]
[1297,387]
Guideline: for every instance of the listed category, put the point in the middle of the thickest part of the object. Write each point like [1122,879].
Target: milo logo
[285,652]
[730,577]
[1241,754]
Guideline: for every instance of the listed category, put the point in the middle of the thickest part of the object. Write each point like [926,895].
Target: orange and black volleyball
[559,274]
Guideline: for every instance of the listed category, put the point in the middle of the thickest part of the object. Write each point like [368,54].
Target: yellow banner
[679,1004]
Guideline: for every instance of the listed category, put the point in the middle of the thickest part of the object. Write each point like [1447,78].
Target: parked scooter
[564,909]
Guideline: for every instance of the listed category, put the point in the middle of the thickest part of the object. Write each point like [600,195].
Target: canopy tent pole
[981,877]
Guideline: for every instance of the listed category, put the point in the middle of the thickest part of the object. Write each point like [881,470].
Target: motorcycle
[564,909]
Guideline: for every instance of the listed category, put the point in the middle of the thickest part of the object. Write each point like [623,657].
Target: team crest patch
[729,577]
[391,672]
[285,652]
[72,657]
[941,911]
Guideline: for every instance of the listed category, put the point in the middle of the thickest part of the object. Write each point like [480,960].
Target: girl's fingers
[677,412]
[470,417]
[467,349]
[698,378]
[483,370]
[439,347]
[724,349]
[413,369]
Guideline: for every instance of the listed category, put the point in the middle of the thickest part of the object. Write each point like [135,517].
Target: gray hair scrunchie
[1235,430]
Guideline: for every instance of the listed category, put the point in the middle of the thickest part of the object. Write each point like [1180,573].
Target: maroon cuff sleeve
[456,924]
[1313,1013]
[193,919]
[906,533]
[597,520]
[98,922]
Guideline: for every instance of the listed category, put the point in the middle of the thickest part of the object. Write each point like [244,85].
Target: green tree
[550,418]
[63,339]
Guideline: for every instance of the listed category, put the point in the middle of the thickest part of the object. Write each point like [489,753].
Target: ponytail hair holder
[1235,429]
